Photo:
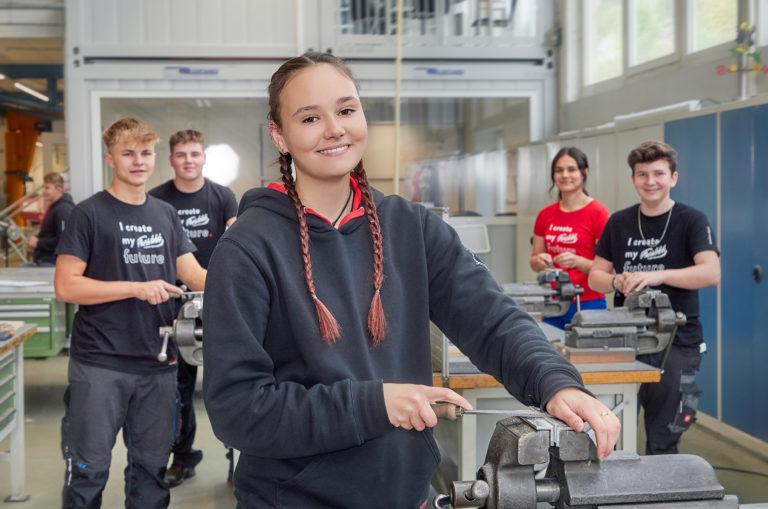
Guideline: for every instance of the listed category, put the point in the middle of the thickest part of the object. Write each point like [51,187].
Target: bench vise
[541,296]
[576,479]
[187,330]
[646,323]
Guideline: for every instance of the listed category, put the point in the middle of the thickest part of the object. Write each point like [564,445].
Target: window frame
[682,55]
[585,56]
[630,39]
[691,31]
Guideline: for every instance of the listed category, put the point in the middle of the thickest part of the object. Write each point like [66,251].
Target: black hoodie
[309,418]
[51,229]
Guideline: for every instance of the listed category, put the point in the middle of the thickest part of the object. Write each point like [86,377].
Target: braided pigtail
[329,327]
[377,322]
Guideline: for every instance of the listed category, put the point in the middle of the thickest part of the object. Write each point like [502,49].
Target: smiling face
[567,176]
[653,181]
[51,192]
[132,161]
[322,125]
[187,161]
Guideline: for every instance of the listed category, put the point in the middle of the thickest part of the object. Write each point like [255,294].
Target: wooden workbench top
[20,335]
[592,374]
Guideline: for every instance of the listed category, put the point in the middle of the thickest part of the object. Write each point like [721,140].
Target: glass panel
[714,22]
[653,30]
[604,35]
[449,148]
[239,150]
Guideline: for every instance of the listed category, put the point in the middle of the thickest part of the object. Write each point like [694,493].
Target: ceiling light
[2,76]
[33,93]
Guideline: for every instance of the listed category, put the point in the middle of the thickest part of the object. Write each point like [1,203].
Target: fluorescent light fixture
[33,93]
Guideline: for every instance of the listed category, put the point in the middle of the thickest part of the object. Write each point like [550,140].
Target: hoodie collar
[357,209]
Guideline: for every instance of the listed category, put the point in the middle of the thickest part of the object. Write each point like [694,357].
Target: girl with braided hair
[318,303]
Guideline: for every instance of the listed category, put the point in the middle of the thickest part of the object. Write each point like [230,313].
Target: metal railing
[12,237]
[442,23]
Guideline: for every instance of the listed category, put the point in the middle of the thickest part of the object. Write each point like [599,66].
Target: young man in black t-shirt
[669,246]
[54,221]
[206,210]
[118,258]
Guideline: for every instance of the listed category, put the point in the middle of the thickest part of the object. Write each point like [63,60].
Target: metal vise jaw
[646,323]
[187,329]
[575,479]
[537,296]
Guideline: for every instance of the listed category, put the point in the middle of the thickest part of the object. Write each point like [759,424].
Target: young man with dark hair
[118,258]
[54,221]
[669,246]
[205,210]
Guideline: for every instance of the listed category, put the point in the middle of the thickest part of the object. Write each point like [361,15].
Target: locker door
[743,165]
[760,289]
[695,142]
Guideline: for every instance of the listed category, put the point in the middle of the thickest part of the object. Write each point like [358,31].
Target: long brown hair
[329,327]
[581,162]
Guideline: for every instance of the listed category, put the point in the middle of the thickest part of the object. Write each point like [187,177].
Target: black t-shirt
[52,227]
[688,234]
[203,214]
[123,242]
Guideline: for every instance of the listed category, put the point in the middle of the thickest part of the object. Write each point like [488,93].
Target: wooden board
[589,355]
[592,374]
[21,334]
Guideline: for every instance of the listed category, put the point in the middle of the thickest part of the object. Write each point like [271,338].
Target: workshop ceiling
[32,54]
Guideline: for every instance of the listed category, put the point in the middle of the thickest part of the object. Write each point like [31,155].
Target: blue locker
[744,163]
[695,142]
[760,294]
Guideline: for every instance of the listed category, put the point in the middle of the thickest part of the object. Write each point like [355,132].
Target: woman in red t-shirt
[566,232]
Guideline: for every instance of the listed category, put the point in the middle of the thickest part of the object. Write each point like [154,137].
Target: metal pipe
[163,355]
[6,211]
[398,81]
[547,490]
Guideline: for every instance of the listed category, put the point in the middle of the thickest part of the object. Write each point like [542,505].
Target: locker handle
[757,274]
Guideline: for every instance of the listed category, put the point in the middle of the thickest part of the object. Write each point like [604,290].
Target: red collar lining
[357,210]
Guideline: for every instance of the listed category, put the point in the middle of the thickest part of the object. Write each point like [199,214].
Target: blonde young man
[118,258]
[60,205]
[206,210]
[667,245]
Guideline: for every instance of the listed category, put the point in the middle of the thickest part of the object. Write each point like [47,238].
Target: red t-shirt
[576,232]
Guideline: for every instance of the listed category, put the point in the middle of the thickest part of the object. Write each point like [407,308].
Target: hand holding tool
[452,412]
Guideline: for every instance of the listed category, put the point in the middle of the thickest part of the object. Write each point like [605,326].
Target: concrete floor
[741,472]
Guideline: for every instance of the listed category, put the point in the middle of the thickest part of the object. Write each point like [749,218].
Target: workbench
[463,442]
[12,407]
[27,294]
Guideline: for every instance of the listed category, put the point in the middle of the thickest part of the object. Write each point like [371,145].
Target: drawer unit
[48,314]
[7,393]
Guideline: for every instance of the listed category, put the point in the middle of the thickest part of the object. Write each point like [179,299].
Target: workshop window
[713,22]
[651,30]
[603,26]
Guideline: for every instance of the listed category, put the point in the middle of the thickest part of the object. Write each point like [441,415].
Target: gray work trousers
[99,402]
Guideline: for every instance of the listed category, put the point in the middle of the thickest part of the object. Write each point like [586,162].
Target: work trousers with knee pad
[183,453]
[98,403]
[670,405]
